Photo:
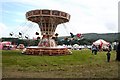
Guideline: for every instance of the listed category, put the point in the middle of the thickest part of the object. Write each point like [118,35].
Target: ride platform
[46,51]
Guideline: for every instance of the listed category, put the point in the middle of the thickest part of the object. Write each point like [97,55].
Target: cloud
[111,26]
[20,20]
[27,29]
[87,16]
[3,29]
[12,12]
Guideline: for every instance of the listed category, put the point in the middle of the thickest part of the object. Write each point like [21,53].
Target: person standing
[94,49]
[118,52]
[108,56]
[109,47]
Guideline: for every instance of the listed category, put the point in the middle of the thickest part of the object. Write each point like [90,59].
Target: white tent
[76,46]
[5,43]
[101,42]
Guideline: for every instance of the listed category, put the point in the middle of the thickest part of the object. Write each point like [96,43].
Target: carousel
[47,21]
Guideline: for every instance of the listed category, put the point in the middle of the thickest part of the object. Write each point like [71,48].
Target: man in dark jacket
[108,56]
[118,52]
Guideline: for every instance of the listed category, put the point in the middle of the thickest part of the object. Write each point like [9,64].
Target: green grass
[81,64]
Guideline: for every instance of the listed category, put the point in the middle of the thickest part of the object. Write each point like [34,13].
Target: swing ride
[47,21]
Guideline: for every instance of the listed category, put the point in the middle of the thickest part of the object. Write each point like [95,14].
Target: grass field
[81,64]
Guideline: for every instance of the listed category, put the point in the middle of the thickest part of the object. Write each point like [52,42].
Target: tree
[66,42]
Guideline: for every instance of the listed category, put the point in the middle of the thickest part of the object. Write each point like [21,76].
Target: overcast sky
[87,16]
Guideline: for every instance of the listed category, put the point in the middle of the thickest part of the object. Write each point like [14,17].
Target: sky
[87,16]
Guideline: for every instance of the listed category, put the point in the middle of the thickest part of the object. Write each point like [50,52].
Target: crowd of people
[95,49]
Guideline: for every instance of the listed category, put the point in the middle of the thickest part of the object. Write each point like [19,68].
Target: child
[94,49]
[108,56]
